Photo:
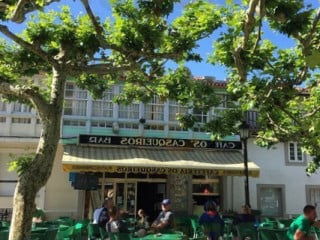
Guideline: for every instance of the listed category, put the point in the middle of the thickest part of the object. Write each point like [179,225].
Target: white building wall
[274,171]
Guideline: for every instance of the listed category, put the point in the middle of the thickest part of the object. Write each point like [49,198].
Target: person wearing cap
[100,215]
[165,220]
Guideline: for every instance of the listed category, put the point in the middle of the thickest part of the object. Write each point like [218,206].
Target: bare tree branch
[316,20]
[32,48]
[249,22]
[96,25]
[310,114]
[23,7]
[30,93]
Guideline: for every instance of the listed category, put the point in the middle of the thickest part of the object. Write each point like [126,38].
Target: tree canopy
[281,84]
[132,45]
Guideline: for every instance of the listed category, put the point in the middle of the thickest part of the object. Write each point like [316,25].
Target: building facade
[139,154]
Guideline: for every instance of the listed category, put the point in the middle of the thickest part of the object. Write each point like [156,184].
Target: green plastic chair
[93,231]
[103,233]
[51,234]
[266,234]
[66,221]
[37,236]
[247,230]
[119,236]
[66,234]
[286,222]
[281,234]
[197,230]
[5,224]
[4,235]
[217,228]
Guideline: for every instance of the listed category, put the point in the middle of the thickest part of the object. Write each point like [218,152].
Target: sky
[102,9]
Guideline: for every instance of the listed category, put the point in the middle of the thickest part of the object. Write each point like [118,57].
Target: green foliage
[281,84]
[20,163]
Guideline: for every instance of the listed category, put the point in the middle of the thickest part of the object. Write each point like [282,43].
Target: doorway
[149,198]
[271,200]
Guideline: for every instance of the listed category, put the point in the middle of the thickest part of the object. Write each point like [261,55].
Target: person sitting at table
[38,215]
[142,221]
[244,216]
[100,215]
[300,228]
[165,220]
[210,216]
[113,224]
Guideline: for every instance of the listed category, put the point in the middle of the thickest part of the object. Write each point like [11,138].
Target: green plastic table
[165,236]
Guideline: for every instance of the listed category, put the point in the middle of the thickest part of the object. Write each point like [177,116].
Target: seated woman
[113,223]
[142,220]
[208,218]
[244,216]
[142,224]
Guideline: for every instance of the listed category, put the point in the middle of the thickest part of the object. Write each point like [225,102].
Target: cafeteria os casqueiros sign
[157,142]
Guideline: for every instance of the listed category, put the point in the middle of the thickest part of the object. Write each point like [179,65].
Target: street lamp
[244,135]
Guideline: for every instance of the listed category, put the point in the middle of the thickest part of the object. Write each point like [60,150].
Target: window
[3,105]
[103,107]
[101,123]
[154,127]
[21,120]
[313,196]
[271,200]
[293,153]
[223,105]
[129,111]
[75,100]
[177,128]
[2,119]
[21,108]
[129,125]
[154,110]
[175,109]
[78,123]
[200,116]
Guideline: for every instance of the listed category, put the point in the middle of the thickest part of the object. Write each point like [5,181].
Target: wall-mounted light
[142,120]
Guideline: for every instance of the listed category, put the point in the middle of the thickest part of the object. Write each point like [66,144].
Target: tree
[134,45]
[280,82]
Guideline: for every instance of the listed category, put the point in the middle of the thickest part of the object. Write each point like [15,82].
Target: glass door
[120,196]
[131,198]
[125,200]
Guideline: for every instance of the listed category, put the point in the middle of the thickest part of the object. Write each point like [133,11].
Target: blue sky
[102,9]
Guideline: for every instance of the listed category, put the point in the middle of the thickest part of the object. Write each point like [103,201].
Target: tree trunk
[38,173]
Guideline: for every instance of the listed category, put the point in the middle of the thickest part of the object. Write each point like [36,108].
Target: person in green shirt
[300,228]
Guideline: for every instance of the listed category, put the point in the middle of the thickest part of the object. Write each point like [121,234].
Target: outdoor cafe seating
[66,228]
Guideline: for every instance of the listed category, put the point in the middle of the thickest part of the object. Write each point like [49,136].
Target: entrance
[149,198]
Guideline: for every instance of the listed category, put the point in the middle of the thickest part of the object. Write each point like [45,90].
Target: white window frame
[76,99]
[156,107]
[295,161]
[176,109]
[106,105]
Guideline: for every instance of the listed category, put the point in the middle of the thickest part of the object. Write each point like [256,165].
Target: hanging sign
[157,142]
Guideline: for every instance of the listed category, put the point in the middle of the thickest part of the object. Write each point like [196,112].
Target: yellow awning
[150,160]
